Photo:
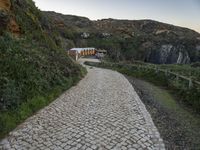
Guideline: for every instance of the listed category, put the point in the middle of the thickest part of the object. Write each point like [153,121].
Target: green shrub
[4,19]
[34,70]
[8,122]
[23,112]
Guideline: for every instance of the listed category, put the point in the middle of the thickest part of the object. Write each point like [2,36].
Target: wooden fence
[166,72]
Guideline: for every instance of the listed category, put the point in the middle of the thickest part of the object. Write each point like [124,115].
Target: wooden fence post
[156,70]
[177,78]
[190,83]
[166,73]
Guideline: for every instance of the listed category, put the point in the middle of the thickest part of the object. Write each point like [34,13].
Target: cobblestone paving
[102,112]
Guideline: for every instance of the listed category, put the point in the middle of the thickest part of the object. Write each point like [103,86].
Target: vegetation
[27,72]
[120,49]
[187,70]
[173,120]
[34,67]
[188,96]
[144,40]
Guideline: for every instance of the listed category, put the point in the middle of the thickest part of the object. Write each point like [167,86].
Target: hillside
[144,40]
[34,67]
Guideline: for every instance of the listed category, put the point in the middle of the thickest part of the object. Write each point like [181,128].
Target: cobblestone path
[102,112]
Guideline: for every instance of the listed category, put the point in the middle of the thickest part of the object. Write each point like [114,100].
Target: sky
[185,13]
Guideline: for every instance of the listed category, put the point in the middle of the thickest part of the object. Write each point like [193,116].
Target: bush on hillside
[31,71]
[4,19]
[32,64]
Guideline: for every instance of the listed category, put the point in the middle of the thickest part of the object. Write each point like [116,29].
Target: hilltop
[145,40]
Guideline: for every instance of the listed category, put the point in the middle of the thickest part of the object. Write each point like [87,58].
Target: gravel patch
[176,129]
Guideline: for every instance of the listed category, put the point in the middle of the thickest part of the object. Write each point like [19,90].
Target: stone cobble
[102,112]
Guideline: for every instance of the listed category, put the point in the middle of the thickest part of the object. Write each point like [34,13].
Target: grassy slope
[34,68]
[186,70]
[188,121]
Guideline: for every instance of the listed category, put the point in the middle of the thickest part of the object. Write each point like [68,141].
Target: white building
[75,53]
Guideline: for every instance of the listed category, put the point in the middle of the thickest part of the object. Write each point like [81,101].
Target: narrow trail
[102,112]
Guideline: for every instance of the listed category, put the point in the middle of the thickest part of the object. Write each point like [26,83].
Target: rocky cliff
[145,40]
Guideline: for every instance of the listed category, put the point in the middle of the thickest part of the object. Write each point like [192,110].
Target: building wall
[75,54]
[88,52]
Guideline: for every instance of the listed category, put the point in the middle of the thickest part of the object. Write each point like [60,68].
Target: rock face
[168,54]
[144,40]
[165,52]
[14,27]
[198,47]
[7,19]
[5,5]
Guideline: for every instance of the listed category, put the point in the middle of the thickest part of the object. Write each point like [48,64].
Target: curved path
[102,112]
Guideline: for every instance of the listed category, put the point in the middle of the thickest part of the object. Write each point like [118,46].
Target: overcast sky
[184,13]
